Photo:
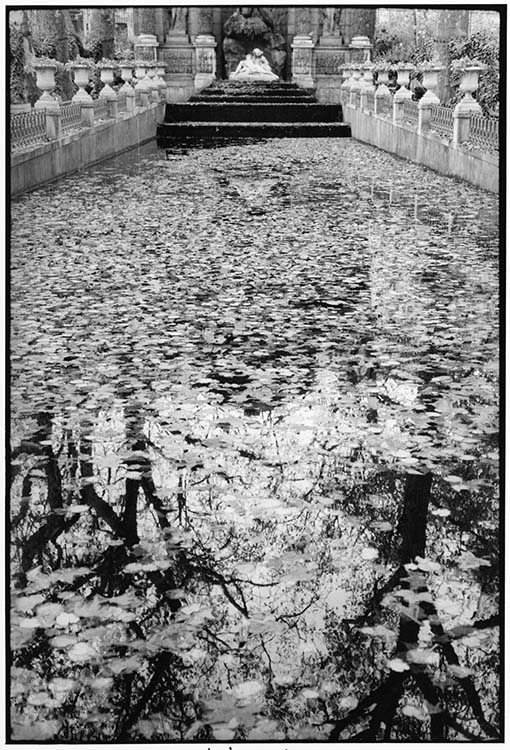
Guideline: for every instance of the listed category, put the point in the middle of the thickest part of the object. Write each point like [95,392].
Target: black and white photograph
[254,279]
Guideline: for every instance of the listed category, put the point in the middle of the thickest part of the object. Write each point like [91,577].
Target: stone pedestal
[462,119]
[178,62]
[87,112]
[425,114]
[360,48]
[302,60]
[53,123]
[146,46]
[205,60]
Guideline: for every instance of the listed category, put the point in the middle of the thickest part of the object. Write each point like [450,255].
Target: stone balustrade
[50,119]
[463,125]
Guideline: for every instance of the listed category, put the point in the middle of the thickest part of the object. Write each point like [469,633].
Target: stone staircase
[230,109]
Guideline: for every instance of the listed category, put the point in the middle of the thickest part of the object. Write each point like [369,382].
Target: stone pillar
[424,114]
[141,89]
[398,108]
[381,92]
[205,60]
[148,20]
[194,22]
[302,59]
[146,47]
[356,22]
[177,55]
[87,112]
[53,122]
[303,21]
[355,87]
[360,49]
[425,105]
[160,29]
[367,85]
[112,105]
[205,21]
[462,120]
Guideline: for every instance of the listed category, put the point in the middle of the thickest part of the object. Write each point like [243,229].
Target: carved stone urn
[469,82]
[45,74]
[107,79]
[81,79]
[431,83]
[403,81]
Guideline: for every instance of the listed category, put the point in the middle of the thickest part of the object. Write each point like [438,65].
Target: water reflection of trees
[298,540]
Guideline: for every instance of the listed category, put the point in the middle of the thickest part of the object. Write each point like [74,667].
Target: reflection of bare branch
[459,728]
[301,612]
[26,489]
[269,661]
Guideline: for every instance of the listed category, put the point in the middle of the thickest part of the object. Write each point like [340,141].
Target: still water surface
[225,363]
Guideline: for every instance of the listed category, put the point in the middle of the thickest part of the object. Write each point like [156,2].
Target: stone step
[253,112]
[260,98]
[257,91]
[167,132]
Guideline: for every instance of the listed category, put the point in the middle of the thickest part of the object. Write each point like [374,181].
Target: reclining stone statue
[254,67]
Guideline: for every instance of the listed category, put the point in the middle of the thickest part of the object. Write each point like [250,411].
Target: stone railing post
[381,93]
[111,102]
[429,99]
[53,116]
[302,61]
[346,85]
[141,89]
[205,60]
[403,94]
[127,89]
[424,114]
[367,85]
[398,108]
[87,112]
[461,124]
[355,86]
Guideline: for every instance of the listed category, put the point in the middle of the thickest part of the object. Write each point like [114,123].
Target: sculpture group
[254,67]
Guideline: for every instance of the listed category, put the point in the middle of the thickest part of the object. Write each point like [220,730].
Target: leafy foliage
[17,86]
[254,443]
[482,46]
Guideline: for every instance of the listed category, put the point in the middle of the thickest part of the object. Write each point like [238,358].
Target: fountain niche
[250,28]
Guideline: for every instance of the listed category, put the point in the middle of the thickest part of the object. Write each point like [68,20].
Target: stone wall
[427,149]
[43,163]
